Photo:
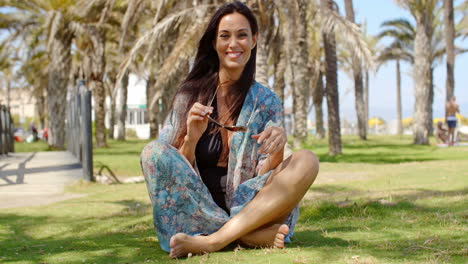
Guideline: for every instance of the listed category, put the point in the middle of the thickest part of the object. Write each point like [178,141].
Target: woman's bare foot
[271,236]
[182,244]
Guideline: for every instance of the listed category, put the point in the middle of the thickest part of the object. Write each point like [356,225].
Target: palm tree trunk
[366,97]
[334,128]
[301,79]
[59,69]
[279,83]
[422,75]
[358,85]
[112,117]
[429,125]
[152,115]
[8,87]
[261,74]
[398,92]
[317,97]
[41,105]
[450,48]
[122,107]
[98,63]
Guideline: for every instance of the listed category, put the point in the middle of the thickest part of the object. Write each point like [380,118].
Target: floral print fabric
[181,201]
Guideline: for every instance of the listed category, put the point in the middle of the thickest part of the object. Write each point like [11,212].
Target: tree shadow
[127,235]
[385,225]
[374,158]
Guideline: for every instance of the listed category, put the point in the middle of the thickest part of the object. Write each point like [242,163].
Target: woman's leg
[282,192]
[180,200]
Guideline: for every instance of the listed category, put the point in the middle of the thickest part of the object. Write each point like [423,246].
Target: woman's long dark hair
[202,80]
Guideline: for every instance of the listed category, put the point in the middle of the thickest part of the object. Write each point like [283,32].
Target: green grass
[382,201]
[31,147]
[384,149]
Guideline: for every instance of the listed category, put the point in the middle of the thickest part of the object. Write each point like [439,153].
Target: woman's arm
[188,149]
[272,141]
[197,123]
[271,162]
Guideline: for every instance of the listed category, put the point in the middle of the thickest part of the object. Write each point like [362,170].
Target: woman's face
[234,42]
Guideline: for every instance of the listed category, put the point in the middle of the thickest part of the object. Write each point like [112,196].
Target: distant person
[33,129]
[441,133]
[45,134]
[451,109]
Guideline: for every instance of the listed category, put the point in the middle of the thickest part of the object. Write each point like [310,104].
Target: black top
[207,153]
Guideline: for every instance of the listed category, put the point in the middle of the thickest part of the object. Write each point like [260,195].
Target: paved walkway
[39,178]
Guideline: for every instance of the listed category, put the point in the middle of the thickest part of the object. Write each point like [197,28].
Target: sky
[382,88]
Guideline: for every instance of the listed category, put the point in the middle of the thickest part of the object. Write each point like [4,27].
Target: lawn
[382,201]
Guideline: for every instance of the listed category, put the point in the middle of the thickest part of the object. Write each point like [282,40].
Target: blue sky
[382,101]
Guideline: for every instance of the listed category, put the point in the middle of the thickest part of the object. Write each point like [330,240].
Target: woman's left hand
[271,140]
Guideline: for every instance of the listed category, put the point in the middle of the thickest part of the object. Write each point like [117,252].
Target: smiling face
[234,42]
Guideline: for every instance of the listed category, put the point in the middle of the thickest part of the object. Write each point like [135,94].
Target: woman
[207,184]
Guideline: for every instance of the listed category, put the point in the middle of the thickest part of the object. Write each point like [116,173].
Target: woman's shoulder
[264,93]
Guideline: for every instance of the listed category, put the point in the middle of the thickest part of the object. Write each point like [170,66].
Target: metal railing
[6,131]
[79,134]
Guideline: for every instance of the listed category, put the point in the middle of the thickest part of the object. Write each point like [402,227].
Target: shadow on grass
[374,158]
[126,235]
[401,230]
[381,152]
[327,192]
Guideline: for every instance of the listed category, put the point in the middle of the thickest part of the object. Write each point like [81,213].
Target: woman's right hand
[197,122]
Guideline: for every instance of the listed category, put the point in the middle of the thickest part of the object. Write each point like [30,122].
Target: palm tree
[6,68]
[358,84]
[402,33]
[462,25]
[170,43]
[264,11]
[354,42]
[334,128]
[402,49]
[34,71]
[423,13]
[128,29]
[372,44]
[300,70]
[54,22]
[95,74]
[317,98]
[450,48]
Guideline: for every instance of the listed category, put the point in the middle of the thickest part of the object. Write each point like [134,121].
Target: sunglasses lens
[238,129]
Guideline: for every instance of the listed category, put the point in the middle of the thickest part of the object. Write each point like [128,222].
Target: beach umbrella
[375,121]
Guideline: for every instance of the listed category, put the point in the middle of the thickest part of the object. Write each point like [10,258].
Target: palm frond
[162,28]
[184,50]
[402,24]
[54,21]
[153,37]
[351,36]
[128,20]
[105,12]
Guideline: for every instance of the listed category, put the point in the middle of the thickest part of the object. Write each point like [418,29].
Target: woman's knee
[152,152]
[305,166]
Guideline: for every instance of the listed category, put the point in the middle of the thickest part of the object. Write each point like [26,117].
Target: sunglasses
[230,128]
